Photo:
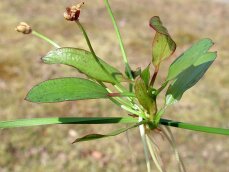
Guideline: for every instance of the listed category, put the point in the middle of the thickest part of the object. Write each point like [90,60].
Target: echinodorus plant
[138,99]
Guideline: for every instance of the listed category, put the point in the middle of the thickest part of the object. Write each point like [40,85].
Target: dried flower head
[24,28]
[72,13]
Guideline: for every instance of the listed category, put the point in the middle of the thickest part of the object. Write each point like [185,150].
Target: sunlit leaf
[144,98]
[64,89]
[163,44]
[66,120]
[189,77]
[85,62]
[189,57]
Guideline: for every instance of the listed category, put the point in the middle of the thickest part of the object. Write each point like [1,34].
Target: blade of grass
[193,127]
[127,66]
[66,120]
[90,137]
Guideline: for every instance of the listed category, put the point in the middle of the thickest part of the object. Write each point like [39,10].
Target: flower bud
[72,13]
[24,28]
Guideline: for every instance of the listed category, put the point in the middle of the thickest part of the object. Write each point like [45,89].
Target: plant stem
[154,75]
[193,127]
[91,49]
[118,101]
[127,66]
[39,35]
[86,37]
[162,87]
[146,150]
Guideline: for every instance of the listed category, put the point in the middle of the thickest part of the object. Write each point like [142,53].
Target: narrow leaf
[66,120]
[223,131]
[90,137]
[66,89]
[85,62]
[189,57]
[163,44]
[189,77]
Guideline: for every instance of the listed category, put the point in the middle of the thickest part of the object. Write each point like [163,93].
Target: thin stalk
[93,52]
[86,37]
[121,88]
[193,127]
[39,35]
[146,150]
[118,101]
[154,155]
[127,66]
[154,75]
[90,46]
[161,88]
[169,136]
[140,114]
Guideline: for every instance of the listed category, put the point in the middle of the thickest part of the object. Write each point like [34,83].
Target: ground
[49,148]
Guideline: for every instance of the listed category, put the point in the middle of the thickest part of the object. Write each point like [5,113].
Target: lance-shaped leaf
[145,75]
[64,89]
[189,77]
[144,97]
[85,62]
[90,137]
[188,58]
[163,44]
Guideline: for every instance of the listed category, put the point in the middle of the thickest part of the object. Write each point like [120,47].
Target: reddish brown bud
[24,28]
[73,13]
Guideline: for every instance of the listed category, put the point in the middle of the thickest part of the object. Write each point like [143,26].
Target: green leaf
[85,62]
[145,75]
[163,44]
[66,120]
[64,89]
[223,131]
[135,73]
[144,97]
[189,77]
[90,137]
[189,57]
[105,120]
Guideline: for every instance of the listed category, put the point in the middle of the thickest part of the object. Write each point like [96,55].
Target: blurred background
[49,148]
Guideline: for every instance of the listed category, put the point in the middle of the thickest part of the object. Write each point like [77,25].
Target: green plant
[139,99]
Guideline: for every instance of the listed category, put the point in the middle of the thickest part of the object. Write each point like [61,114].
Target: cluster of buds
[72,13]
[24,28]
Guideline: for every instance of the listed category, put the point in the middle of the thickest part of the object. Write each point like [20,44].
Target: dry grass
[48,148]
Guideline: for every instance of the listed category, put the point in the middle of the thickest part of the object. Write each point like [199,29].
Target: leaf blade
[90,137]
[66,120]
[66,89]
[188,126]
[144,98]
[189,57]
[85,62]
[163,44]
[189,77]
